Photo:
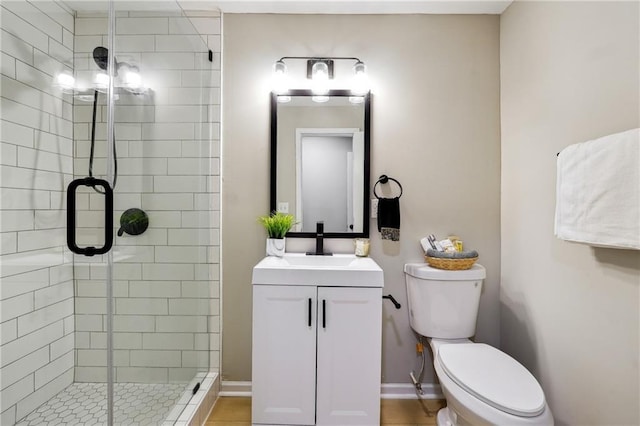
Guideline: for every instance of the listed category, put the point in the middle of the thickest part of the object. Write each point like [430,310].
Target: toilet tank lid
[426,272]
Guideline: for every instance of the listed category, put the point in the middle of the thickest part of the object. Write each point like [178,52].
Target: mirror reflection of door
[340,117]
[328,168]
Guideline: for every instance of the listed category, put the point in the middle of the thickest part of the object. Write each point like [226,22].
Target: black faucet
[319,241]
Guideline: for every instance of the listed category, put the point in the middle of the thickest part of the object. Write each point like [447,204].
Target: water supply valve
[133,222]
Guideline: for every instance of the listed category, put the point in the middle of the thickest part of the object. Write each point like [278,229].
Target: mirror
[320,162]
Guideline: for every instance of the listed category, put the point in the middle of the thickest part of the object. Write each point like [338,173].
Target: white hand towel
[598,192]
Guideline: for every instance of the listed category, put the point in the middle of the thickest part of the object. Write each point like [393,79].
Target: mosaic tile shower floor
[84,404]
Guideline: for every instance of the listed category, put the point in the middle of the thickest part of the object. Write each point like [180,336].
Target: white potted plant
[277,225]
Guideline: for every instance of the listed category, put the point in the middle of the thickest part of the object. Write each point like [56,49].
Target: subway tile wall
[36,272]
[166,281]
[166,289]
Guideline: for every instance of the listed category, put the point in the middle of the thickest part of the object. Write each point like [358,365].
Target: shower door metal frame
[109,272]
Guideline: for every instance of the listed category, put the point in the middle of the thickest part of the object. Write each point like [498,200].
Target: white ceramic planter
[275,246]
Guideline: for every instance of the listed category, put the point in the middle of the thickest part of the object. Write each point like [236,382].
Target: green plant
[277,224]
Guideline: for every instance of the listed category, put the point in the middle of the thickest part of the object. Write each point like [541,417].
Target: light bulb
[320,98]
[102,81]
[132,80]
[320,78]
[280,80]
[356,99]
[65,81]
[283,99]
[360,85]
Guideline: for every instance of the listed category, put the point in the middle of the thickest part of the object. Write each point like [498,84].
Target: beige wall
[569,73]
[435,128]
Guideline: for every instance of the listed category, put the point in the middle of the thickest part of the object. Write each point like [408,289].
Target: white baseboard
[231,388]
[408,391]
[387,390]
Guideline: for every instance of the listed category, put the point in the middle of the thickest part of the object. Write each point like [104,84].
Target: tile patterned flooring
[85,404]
[236,411]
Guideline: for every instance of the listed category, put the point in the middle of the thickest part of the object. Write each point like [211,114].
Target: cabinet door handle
[309,321]
[324,313]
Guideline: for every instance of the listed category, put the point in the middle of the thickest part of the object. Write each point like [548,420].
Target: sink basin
[345,270]
[320,261]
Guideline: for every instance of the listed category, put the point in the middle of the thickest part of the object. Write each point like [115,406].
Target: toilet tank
[443,304]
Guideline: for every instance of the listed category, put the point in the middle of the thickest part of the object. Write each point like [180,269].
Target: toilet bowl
[484,386]
[481,384]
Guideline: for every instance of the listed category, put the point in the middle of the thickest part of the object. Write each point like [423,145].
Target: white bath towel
[598,192]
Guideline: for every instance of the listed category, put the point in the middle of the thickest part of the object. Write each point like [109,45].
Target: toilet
[481,384]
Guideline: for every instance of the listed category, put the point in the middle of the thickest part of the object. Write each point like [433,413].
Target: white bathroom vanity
[317,327]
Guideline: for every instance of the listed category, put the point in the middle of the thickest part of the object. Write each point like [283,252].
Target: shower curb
[198,408]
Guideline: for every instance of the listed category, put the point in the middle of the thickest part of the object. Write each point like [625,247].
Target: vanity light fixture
[126,75]
[320,72]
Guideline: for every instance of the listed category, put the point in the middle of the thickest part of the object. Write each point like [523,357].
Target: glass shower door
[153,144]
[109,212]
[162,252]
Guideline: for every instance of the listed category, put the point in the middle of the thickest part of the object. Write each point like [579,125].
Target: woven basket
[451,264]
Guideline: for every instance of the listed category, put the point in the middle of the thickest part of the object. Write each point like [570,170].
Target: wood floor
[235,411]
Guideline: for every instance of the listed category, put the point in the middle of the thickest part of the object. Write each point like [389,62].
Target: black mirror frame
[367,161]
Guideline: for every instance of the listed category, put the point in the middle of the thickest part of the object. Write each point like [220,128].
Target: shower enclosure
[128,98]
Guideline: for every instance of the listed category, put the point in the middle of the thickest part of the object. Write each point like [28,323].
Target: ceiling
[304,6]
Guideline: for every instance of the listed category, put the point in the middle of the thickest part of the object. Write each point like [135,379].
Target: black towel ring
[385,179]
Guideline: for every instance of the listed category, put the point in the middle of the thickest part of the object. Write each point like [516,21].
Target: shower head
[130,78]
[101,56]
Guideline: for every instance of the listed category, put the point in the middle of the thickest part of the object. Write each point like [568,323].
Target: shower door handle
[71,216]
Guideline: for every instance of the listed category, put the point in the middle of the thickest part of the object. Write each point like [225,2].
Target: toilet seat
[493,377]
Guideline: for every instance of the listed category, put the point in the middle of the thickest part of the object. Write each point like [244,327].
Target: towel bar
[385,179]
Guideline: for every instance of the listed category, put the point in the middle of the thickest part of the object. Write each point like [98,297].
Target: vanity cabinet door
[284,355]
[349,355]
